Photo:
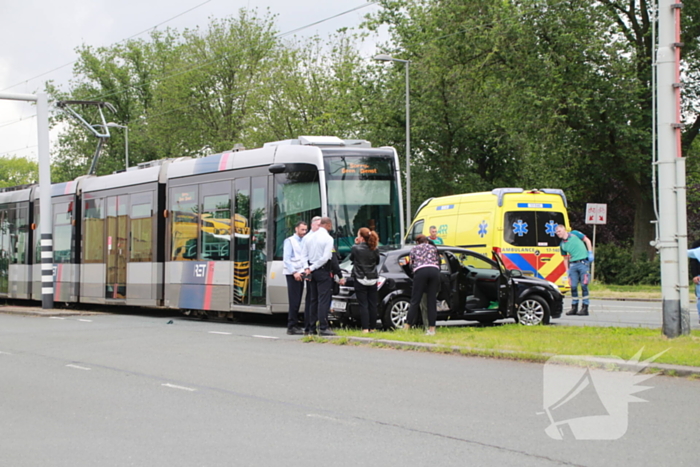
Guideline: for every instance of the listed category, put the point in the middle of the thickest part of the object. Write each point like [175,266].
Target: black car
[474,288]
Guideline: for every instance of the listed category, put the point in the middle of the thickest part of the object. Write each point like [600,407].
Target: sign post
[596,214]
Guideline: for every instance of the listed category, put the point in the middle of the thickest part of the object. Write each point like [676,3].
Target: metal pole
[44,160]
[45,202]
[593,263]
[671,234]
[409,216]
[126,144]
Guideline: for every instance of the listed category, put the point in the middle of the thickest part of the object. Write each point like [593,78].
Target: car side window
[474,262]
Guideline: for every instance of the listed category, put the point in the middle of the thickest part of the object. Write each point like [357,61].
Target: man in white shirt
[319,248]
[294,266]
[315,224]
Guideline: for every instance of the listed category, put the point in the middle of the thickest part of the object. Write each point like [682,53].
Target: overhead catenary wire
[194,68]
[123,40]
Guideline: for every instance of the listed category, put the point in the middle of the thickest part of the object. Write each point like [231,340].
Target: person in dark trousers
[294,265]
[694,255]
[313,228]
[425,262]
[578,256]
[319,248]
[365,258]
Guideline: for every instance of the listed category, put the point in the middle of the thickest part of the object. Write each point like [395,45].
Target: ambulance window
[415,231]
[519,228]
[547,222]
[532,228]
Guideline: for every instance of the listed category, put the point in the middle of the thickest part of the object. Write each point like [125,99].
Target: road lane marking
[78,367]
[55,317]
[175,386]
[265,337]
[330,419]
[5,353]
[85,320]
[219,332]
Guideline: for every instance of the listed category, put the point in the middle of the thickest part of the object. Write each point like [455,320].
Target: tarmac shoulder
[598,362]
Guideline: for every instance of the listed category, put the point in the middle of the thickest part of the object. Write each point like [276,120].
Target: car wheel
[533,311]
[396,312]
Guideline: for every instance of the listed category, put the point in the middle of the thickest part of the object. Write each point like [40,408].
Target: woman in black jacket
[365,258]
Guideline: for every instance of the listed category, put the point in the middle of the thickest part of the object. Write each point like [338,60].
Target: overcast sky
[39,38]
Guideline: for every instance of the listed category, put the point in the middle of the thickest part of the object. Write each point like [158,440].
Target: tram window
[184,220]
[258,256]
[18,253]
[62,232]
[141,238]
[215,232]
[297,197]
[94,231]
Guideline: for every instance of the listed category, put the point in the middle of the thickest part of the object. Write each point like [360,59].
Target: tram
[198,234]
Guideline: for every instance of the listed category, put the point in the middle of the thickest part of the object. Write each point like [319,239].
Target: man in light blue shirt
[294,266]
[319,250]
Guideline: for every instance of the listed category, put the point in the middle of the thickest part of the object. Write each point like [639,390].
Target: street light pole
[389,58]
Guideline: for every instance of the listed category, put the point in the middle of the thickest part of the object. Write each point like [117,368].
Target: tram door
[250,239]
[4,251]
[117,246]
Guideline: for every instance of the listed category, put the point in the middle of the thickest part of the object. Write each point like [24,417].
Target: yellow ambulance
[516,223]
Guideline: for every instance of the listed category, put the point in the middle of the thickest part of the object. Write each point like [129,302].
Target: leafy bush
[614,265]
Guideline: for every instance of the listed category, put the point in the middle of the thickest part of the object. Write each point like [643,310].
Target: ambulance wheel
[533,311]
[396,312]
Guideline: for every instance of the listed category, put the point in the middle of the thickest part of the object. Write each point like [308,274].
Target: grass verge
[539,342]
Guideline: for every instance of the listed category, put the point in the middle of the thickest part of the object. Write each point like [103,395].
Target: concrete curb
[599,362]
[37,311]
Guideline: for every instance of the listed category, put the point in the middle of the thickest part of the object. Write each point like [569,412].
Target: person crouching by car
[365,258]
[425,262]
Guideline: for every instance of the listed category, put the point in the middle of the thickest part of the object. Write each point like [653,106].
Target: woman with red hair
[365,258]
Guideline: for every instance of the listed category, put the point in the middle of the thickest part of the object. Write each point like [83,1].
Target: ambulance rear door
[530,243]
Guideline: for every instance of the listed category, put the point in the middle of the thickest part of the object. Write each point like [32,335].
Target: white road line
[218,332]
[5,353]
[174,386]
[77,367]
[265,337]
[331,419]
[85,320]
[55,317]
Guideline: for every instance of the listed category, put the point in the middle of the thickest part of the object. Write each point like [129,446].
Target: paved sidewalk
[38,311]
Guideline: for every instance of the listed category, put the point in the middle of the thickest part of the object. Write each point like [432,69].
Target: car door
[458,284]
[506,289]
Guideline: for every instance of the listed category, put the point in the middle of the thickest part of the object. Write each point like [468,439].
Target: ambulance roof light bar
[556,191]
[501,192]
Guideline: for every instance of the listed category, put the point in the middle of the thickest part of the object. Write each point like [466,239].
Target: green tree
[535,93]
[17,170]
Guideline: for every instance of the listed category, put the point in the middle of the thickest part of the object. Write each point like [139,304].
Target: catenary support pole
[672,241]
[45,224]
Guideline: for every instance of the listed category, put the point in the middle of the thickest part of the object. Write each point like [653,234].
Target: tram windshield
[363,192]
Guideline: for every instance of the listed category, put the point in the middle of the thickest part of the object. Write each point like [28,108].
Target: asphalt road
[134,390]
[622,313]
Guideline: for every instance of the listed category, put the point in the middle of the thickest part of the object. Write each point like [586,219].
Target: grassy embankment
[539,343]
